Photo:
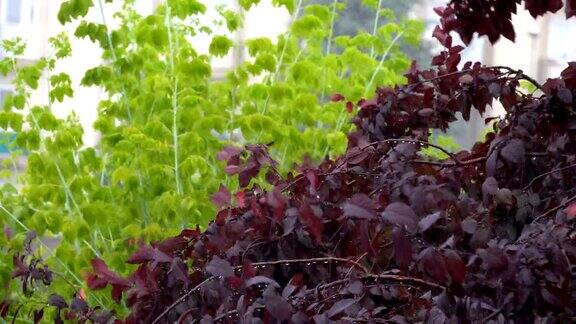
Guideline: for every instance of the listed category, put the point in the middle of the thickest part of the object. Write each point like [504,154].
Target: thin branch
[168,22]
[492,315]
[381,63]
[311,260]
[258,264]
[510,70]
[548,173]
[181,299]
[521,74]
[555,209]
[375,26]
[394,278]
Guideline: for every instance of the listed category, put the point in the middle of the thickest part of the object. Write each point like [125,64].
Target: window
[13,11]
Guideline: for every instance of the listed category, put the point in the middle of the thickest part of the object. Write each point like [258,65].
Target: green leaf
[259,45]
[246,4]
[289,4]
[220,46]
[73,9]
[185,8]
[306,25]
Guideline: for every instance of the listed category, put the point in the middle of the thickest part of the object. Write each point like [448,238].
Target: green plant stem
[168,22]
[113,53]
[384,56]
[283,53]
[329,45]
[375,29]
[143,203]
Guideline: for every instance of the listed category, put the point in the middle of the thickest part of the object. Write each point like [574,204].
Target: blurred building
[541,50]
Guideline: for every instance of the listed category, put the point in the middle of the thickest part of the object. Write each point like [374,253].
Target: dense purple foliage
[384,234]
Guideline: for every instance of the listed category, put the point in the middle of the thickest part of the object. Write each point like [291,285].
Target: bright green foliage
[220,46]
[444,141]
[165,118]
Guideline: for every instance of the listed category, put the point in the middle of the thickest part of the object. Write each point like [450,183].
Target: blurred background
[541,48]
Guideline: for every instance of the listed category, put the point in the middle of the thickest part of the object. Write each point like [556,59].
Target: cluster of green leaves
[165,118]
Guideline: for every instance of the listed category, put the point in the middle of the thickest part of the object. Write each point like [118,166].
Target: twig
[181,299]
[311,260]
[492,315]
[384,277]
[555,209]
[395,278]
[258,264]
[521,74]
[510,70]
[548,173]
[397,140]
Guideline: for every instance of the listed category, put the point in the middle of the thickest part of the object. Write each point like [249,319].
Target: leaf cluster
[383,232]
[164,115]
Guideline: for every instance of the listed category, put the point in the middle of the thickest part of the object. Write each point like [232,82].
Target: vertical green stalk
[113,52]
[143,203]
[281,60]
[375,29]
[329,46]
[382,59]
[283,53]
[168,22]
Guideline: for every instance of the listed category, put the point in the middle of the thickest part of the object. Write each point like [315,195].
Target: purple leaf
[402,248]
[340,306]
[456,267]
[222,197]
[401,215]
[428,221]
[278,307]
[489,189]
[514,152]
[220,268]
[359,206]
[432,263]
[57,301]
[78,305]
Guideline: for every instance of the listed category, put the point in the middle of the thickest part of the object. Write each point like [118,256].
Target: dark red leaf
[340,306]
[57,301]
[514,152]
[337,97]
[402,248]
[571,211]
[456,267]
[219,268]
[222,198]
[278,306]
[433,264]
[401,215]
[428,221]
[38,315]
[359,206]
